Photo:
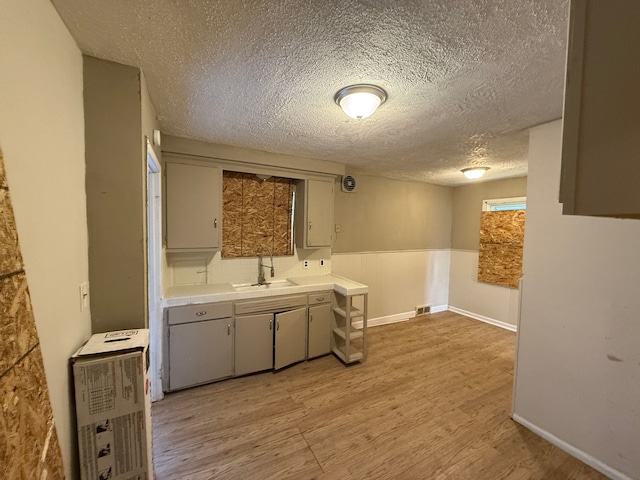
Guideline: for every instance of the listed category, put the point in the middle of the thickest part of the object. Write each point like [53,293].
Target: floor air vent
[423,310]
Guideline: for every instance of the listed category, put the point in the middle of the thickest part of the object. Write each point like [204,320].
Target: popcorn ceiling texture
[465,78]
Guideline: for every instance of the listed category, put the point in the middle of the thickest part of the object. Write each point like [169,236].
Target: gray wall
[467,208]
[386,215]
[116,181]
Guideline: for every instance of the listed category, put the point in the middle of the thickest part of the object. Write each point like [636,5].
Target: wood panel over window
[29,445]
[256,215]
[501,245]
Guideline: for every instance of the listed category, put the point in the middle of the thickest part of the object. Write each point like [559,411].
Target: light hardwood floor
[432,401]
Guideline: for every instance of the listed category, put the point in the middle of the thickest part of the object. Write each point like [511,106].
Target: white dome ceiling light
[474,172]
[360,101]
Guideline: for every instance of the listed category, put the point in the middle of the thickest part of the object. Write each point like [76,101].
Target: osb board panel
[30,448]
[256,215]
[28,442]
[10,258]
[501,246]
[503,227]
[17,326]
[500,264]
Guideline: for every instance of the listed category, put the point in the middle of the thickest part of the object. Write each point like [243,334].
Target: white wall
[42,139]
[398,281]
[490,303]
[210,267]
[578,360]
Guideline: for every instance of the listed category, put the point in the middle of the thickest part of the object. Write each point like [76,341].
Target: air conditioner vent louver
[348,184]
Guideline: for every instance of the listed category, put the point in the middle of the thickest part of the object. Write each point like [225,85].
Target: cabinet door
[291,339]
[193,206]
[601,126]
[319,330]
[319,213]
[200,352]
[254,343]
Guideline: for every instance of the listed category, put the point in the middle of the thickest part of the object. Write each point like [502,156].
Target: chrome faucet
[261,279]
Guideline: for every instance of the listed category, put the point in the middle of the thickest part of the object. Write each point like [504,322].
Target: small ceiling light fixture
[360,101]
[474,172]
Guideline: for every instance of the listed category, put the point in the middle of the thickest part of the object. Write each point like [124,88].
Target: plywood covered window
[502,241]
[257,215]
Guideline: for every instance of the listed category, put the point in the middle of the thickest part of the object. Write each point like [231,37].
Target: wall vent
[348,184]
[423,310]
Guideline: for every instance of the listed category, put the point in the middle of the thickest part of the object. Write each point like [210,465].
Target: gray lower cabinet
[200,352]
[319,330]
[254,343]
[290,337]
[199,344]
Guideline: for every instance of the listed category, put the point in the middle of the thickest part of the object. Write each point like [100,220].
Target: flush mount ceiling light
[360,101]
[474,172]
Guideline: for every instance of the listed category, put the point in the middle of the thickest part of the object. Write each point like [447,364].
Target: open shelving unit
[349,328]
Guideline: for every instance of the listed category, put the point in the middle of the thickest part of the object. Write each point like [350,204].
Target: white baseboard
[571,450]
[397,318]
[482,318]
[439,308]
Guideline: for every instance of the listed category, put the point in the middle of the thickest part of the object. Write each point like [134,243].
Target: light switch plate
[84,296]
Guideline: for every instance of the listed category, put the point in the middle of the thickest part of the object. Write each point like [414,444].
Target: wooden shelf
[355,312]
[353,333]
[344,332]
[354,354]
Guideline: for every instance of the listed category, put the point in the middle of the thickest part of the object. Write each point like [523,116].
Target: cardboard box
[113,406]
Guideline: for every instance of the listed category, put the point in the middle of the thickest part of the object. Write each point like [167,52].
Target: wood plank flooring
[432,401]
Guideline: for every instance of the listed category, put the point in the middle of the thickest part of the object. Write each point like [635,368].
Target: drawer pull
[229,329]
[199,314]
[319,299]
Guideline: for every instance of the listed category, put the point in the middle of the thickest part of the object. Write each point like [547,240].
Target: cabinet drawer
[203,311]
[321,297]
[270,304]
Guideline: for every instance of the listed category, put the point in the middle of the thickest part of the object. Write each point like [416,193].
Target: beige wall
[389,215]
[578,358]
[491,303]
[467,206]
[116,181]
[42,138]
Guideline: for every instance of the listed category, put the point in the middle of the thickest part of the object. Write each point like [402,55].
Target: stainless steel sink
[249,287]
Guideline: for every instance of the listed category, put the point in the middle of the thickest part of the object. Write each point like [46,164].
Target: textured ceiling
[465,78]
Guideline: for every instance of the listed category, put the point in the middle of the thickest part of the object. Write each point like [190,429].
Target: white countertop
[217,292]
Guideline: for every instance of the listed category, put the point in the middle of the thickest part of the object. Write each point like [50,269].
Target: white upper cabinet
[601,123]
[314,213]
[193,213]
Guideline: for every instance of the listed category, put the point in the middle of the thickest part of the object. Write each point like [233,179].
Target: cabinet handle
[228,329]
[277,326]
[309,225]
[215,223]
[199,314]
[319,299]
[311,317]
[270,324]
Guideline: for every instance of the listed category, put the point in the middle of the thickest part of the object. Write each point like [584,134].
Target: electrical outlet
[322,262]
[84,296]
[305,264]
